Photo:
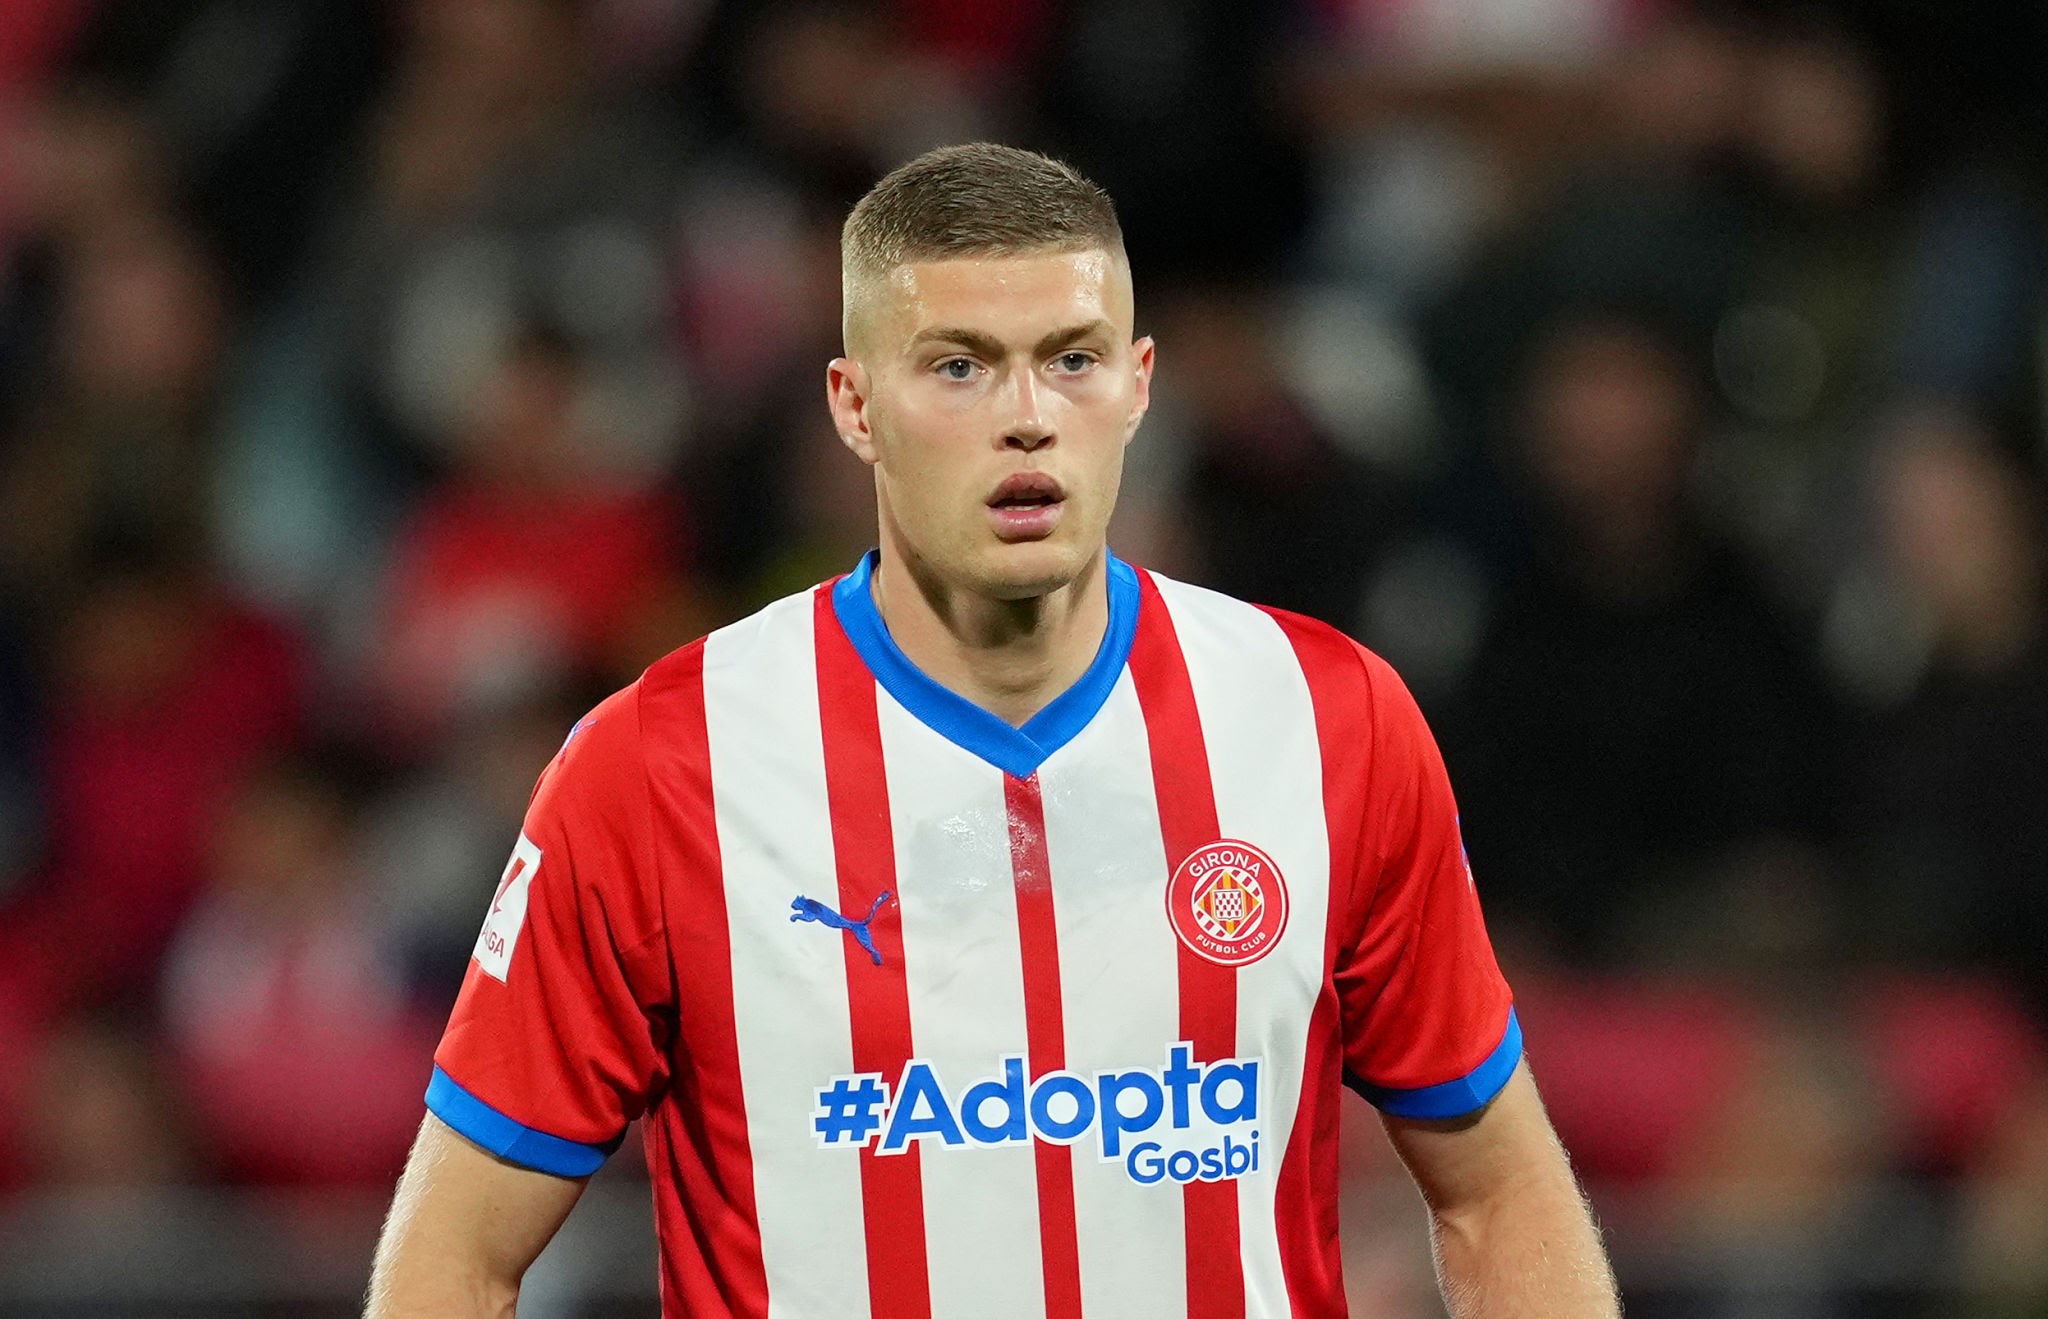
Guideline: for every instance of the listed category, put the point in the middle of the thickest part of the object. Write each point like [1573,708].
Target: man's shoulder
[673,686]
[778,626]
[660,714]
[1330,659]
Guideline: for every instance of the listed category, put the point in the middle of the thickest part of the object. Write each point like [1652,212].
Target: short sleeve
[1429,1027]
[558,1039]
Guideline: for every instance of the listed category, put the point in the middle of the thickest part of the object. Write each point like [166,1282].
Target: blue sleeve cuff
[510,1140]
[1468,1094]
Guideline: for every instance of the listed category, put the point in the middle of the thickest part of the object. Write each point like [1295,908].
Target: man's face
[993,396]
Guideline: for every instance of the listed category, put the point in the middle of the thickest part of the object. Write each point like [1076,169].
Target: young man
[988,932]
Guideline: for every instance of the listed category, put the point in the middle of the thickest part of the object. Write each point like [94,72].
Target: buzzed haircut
[978,199]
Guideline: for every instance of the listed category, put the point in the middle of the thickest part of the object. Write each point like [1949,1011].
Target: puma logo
[810,909]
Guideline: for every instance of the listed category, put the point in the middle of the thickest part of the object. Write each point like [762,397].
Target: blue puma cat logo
[810,909]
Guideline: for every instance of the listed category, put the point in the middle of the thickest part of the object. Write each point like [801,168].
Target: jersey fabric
[929,1015]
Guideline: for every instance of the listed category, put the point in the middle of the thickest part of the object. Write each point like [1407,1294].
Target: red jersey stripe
[1208,992]
[1305,1213]
[1046,1032]
[864,852]
[712,1163]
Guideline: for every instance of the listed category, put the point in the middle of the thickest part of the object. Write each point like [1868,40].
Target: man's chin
[1024,570]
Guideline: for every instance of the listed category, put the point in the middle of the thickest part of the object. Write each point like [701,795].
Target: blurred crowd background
[1660,386]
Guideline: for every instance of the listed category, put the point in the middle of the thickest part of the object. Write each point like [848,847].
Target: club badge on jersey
[1228,903]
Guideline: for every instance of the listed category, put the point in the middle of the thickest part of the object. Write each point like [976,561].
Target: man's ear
[1142,353]
[846,394]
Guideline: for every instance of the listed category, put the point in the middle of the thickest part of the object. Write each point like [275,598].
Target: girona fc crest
[1228,903]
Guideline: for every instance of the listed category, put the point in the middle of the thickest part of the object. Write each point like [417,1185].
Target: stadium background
[1659,386]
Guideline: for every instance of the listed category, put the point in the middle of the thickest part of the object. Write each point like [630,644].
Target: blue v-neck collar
[1015,751]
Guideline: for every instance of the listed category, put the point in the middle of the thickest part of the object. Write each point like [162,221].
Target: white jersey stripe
[789,981]
[1265,765]
[963,967]
[1118,969]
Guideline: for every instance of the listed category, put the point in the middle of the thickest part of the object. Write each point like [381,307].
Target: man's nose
[1027,428]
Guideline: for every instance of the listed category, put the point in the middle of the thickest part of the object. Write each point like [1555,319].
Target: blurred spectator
[1634,1069]
[529,564]
[119,445]
[2004,1232]
[1649,213]
[293,1040]
[99,1113]
[822,519]
[804,103]
[1955,1052]
[434,845]
[1632,718]
[1170,107]
[1945,813]
[68,160]
[60,157]
[759,298]
[253,102]
[1433,126]
[831,93]
[780,503]
[1789,1177]
[163,692]
[1808,333]
[1273,508]
[499,186]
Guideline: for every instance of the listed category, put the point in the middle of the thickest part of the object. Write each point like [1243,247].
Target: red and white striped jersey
[929,1015]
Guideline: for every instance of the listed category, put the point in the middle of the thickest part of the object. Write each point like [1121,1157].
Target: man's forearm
[1531,1250]
[1513,1236]
[463,1229]
[414,1288]
[428,1265]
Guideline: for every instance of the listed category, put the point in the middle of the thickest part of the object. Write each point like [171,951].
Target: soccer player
[987,932]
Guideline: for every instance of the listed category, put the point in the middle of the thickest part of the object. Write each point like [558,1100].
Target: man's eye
[956,368]
[1076,361]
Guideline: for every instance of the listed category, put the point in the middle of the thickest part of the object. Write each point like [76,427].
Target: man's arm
[463,1228]
[1512,1234]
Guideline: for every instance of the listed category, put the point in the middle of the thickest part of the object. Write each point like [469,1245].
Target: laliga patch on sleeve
[508,911]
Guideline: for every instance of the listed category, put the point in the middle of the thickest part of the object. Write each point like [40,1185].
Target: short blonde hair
[977,199]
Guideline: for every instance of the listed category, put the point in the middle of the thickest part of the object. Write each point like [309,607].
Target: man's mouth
[1027,490]
[1026,506]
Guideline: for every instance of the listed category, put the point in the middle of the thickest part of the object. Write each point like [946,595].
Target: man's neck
[1010,657]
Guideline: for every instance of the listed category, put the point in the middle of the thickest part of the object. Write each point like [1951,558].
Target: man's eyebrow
[973,340]
[989,346]
[1060,338]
